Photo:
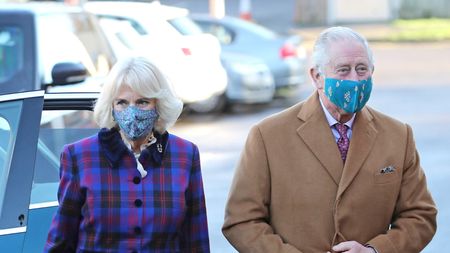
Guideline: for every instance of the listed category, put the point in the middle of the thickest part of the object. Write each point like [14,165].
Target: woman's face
[127,97]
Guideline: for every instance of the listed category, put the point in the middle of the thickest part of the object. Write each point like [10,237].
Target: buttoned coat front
[292,193]
[105,205]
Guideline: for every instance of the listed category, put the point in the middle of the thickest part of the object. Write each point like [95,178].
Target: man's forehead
[349,61]
[348,52]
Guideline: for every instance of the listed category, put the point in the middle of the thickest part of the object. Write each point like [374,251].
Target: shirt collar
[331,120]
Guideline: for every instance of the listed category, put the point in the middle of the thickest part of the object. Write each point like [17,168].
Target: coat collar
[324,146]
[114,148]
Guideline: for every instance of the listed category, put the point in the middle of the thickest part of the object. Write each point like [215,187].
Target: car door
[20,115]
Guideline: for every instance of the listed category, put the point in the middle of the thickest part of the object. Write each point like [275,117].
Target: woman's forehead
[126,91]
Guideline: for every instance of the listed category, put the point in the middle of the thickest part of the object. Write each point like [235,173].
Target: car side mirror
[68,73]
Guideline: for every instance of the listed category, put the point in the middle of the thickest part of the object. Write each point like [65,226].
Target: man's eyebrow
[340,65]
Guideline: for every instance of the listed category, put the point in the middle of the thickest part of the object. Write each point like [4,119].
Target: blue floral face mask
[135,122]
[351,96]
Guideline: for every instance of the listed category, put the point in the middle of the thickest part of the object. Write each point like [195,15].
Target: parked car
[33,129]
[63,46]
[285,55]
[249,79]
[249,82]
[191,62]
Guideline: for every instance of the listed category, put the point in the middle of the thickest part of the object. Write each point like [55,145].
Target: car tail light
[186,51]
[288,50]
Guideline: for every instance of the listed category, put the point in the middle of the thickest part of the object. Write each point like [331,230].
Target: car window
[9,121]
[58,128]
[11,52]
[223,34]
[185,26]
[72,37]
[122,35]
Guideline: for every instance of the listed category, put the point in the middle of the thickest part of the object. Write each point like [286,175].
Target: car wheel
[214,104]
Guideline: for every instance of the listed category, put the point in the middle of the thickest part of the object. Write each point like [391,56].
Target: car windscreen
[72,37]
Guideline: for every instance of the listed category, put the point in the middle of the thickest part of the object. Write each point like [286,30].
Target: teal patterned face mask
[136,122]
[351,96]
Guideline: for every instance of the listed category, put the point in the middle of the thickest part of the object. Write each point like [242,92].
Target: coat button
[137,230]
[136,180]
[138,202]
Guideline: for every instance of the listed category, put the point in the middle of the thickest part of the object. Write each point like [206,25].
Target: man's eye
[361,70]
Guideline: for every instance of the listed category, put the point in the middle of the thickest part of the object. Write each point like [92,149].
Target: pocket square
[388,169]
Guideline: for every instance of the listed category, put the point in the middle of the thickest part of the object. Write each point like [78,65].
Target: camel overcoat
[291,191]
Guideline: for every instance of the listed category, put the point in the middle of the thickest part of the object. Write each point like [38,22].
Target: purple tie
[343,141]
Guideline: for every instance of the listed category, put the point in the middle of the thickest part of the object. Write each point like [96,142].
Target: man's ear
[316,77]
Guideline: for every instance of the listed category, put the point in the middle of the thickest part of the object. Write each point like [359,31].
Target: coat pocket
[386,175]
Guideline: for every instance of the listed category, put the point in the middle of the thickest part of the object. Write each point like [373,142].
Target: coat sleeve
[247,211]
[414,221]
[63,233]
[194,234]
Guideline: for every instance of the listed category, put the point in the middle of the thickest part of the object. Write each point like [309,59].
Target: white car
[191,62]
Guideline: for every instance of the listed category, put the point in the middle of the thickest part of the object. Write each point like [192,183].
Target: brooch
[159,147]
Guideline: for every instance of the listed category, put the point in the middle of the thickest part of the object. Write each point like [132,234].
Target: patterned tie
[343,141]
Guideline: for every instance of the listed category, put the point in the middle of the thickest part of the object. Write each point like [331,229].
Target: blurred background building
[284,15]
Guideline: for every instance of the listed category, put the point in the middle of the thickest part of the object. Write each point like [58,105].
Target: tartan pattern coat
[105,205]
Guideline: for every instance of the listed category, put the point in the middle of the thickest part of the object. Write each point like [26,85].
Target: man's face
[349,61]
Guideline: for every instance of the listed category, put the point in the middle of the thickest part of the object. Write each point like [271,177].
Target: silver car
[284,55]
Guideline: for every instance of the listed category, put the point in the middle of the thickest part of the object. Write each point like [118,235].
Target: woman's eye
[143,102]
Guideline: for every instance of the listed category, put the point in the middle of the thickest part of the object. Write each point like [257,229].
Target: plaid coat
[105,205]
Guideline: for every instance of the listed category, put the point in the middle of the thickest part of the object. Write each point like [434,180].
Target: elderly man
[331,174]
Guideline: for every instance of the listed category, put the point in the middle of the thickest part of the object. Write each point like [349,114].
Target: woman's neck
[136,144]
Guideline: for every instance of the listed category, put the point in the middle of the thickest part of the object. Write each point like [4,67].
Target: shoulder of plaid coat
[106,205]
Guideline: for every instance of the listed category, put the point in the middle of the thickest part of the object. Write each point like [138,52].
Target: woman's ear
[316,77]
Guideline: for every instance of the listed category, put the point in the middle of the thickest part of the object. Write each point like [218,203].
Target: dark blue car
[33,129]
[40,52]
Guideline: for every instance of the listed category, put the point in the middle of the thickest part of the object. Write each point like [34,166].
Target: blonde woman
[134,187]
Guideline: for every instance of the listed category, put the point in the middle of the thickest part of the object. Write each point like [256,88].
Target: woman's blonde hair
[143,77]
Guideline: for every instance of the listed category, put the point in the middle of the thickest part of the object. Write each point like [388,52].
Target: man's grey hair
[320,55]
[143,77]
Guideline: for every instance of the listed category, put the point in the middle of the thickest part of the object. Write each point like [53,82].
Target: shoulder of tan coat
[299,111]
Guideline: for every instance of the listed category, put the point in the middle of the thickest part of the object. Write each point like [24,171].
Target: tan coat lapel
[363,139]
[317,135]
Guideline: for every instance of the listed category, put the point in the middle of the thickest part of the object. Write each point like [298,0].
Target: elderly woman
[133,187]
